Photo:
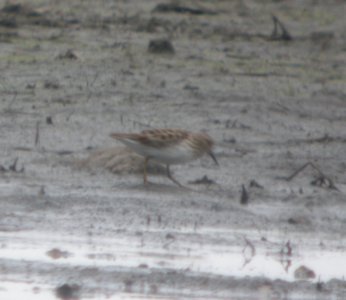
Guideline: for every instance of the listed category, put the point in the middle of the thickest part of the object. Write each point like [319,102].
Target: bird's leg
[145,170]
[169,175]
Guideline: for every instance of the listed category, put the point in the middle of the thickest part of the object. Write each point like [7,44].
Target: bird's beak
[213,157]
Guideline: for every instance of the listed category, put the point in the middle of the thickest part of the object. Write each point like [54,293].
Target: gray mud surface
[76,222]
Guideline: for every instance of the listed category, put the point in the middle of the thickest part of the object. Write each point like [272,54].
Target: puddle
[17,290]
[274,261]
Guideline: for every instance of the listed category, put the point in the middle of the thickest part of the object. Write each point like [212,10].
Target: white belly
[170,155]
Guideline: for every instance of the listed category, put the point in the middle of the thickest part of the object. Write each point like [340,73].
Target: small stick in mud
[37,135]
[285,35]
[244,197]
[321,180]
[254,183]
[286,254]
[89,85]
[13,167]
[248,256]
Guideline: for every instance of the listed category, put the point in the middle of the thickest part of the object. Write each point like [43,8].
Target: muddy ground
[76,221]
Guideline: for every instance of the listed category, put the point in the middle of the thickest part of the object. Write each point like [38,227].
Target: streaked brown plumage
[167,146]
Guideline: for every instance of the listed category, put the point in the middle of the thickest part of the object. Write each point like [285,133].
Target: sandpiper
[167,146]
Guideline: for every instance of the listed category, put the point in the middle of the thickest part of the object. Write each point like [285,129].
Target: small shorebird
[167,146]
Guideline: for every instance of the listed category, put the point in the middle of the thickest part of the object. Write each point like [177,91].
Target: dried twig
[37,135]
[248,258]
[13,167]
[286,254]
[244,198]
[89,85]
[321,180]
[254,183]
[285,35]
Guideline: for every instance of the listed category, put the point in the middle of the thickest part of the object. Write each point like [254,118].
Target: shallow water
[272,260]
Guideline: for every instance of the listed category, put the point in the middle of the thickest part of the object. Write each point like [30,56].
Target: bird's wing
[157,138]
[162,137]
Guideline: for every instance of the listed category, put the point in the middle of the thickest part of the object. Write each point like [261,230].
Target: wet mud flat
[76,222]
